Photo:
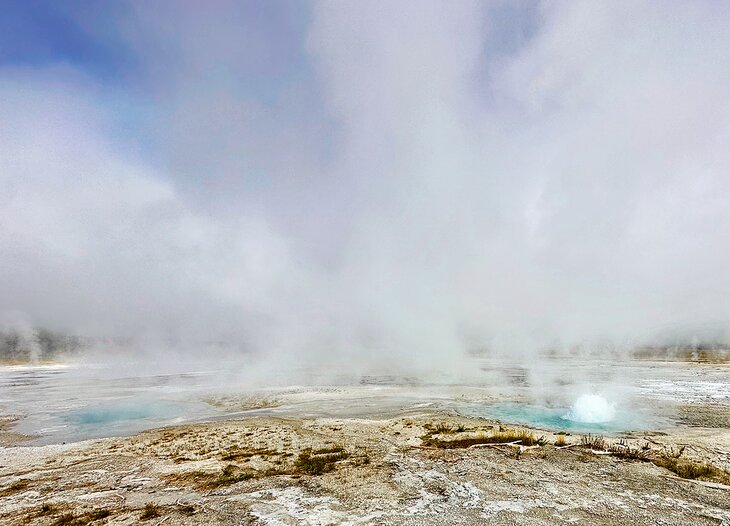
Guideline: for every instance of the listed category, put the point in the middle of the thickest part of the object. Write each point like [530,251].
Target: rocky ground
[425,468]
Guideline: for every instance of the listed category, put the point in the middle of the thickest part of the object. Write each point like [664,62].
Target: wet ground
[57,404]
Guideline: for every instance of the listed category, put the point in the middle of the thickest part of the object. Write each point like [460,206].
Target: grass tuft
[692,469]
[317,463]
[150,511]
[97,515]
[329,450]
[69,519]
[47,509]
[626,452]
[15,487]
[522,436]
[230,475]
[593,442]
[238,454]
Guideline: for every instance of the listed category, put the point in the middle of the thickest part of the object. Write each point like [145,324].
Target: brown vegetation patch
[16,487]
[320,461]
[503,436]
[150,511]
[241,454]
[230,474]
[689,468]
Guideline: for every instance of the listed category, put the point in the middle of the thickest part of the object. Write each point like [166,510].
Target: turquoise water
[121,412]
[118,418]
[553,419]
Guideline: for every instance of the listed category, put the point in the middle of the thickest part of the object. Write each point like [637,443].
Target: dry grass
[242,454]
[503,436]
[594,442]
[319,462]
[230,474]
[329,450]
[308,462]
[60,516]
[99,514]
[560,441]
[69,519]
[624,451]
[186,509]
[15,487]
[47,509]
[671,460]
[692,469]
[150,511]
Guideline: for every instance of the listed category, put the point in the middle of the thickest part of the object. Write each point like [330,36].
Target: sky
[367,181]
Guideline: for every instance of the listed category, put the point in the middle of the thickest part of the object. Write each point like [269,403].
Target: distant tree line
[36,345]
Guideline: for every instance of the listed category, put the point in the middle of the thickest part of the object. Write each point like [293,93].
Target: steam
[373,183]
[591,409]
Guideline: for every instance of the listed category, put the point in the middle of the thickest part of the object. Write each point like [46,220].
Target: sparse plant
[329,450]
[235,453]
[15,487]
[443,428]
[626,452]
[231,475]
[593,442]
[503,436]
[150,511]
[560,441]
[314,463]
[692,469]
[69,519]
[98,514]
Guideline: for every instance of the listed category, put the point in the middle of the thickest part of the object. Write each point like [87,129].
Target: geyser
[591,409]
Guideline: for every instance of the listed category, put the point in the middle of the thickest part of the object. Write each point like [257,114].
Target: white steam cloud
[399,182]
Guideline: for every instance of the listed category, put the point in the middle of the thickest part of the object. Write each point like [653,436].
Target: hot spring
[588,413]
[591,409]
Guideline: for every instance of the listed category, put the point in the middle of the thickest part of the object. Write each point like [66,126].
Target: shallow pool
[122,411]
[554,419]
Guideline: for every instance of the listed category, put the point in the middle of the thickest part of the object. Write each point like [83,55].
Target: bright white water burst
[592,409]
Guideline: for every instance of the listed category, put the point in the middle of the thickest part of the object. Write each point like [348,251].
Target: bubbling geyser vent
[591,409]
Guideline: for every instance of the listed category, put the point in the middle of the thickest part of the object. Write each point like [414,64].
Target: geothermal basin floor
[401,470]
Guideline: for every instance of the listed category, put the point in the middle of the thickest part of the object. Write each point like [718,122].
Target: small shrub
[236,453]
[560,441]
[47,509]
[98,514]
[593,442]
[229,476]
[150,511]
[692,469]
[625,451]
[69,519]
[313,463]
[15,487]
[329,450]
[443,428]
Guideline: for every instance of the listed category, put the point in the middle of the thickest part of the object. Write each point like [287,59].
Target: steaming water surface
[71,403]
